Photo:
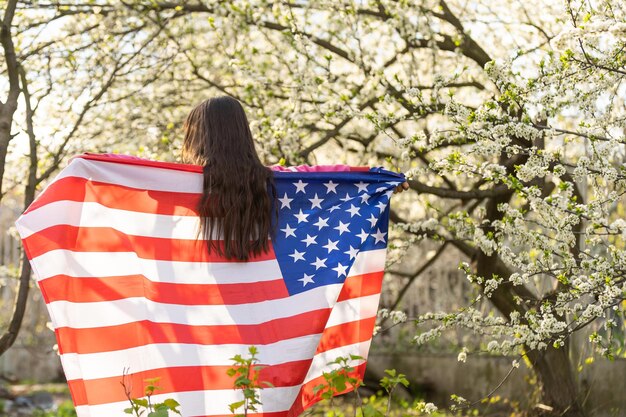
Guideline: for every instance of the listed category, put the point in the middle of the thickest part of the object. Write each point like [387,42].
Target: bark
[7,109]
[558,386]
[10,335]
[552,366]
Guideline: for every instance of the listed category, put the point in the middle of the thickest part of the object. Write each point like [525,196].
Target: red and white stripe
[128,285]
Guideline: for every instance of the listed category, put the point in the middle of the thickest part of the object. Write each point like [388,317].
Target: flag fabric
[132,291]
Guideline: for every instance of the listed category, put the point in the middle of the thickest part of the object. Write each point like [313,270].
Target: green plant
[375,405]
[339,380]
[390,382]
[246,374]
[139,406]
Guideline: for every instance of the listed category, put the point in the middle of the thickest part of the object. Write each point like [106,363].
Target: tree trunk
[552,366]
[8,337]
[558,386]
[559,392]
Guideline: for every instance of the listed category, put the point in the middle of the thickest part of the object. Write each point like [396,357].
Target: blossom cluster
[554,138]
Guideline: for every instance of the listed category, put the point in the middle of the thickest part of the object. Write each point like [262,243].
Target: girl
[235,201]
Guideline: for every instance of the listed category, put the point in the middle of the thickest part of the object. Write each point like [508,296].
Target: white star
[319,263]
[380,189]
[309,240]
[300,186]
[285,202]
[306,279]
[365,198]
[343,227]
[297,255]
[381,205]
[289,231]
[363,235]
[389,193]
[333,208]
[361,186]
[346,198]
[330,187]
[321,223]
[331,246]
[352,252]
[341,270]
[353,210]
[373,220]
[301,217]
[316,201]
[379,236]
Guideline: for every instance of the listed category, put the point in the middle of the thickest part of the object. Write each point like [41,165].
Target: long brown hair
[238,190]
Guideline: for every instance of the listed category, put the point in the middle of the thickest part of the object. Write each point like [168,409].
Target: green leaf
[236,405]
[171,403]
[142,402]
[242,380]
[340,383]
[161,412]
[152,381]
[318,388]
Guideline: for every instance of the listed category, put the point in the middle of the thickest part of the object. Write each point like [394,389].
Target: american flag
[130,289]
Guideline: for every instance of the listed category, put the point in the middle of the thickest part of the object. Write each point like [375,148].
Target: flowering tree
[516,157]
[541,222]
[68,69]
[516,160]
[508,120]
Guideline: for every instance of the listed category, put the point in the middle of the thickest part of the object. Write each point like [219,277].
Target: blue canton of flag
[326,219]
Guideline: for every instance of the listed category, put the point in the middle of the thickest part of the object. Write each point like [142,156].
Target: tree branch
[10,335]
[7,109]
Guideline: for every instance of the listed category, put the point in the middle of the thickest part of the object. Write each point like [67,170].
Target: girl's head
[218,129]
[238,189]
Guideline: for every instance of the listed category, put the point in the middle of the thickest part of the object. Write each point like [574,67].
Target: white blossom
[425,408]
[462,356]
